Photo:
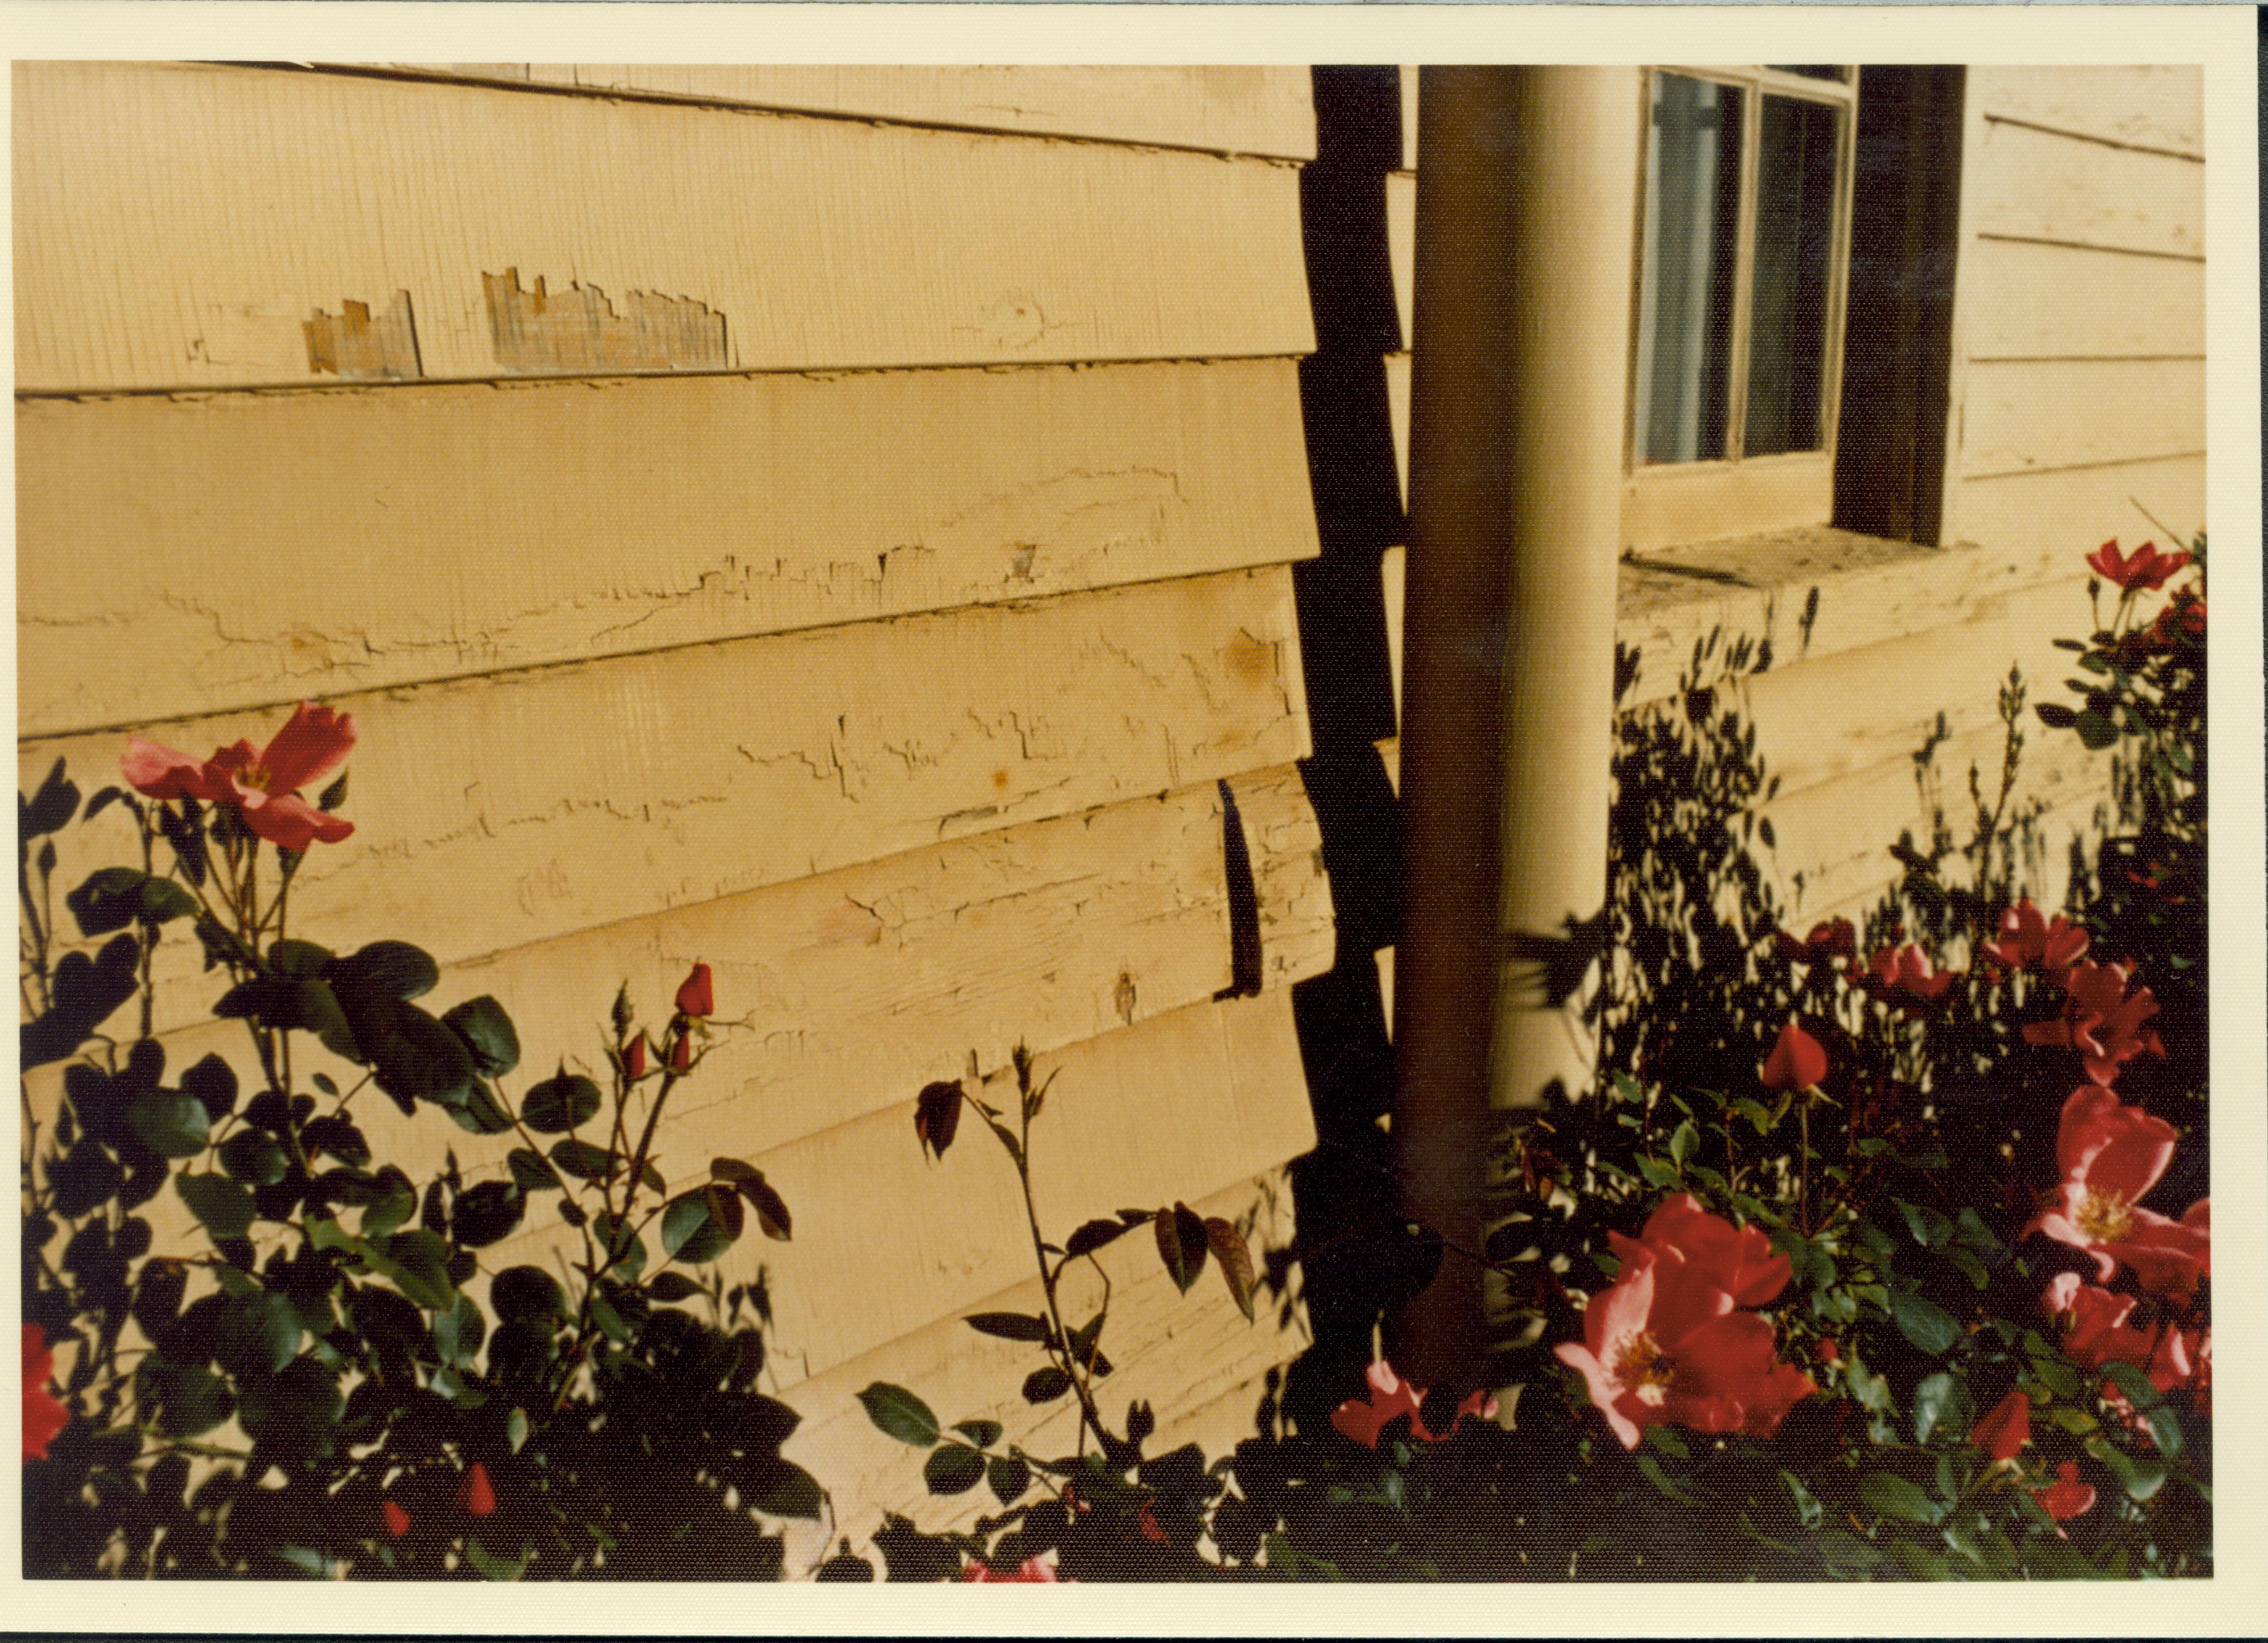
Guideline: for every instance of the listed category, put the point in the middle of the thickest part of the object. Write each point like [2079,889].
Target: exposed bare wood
[493,812]
[823,243]
[582,331]
[1260,109]
[2034,184]
[2029,414]
[458,530]
[350,344]
[2104,303]
[2153,105]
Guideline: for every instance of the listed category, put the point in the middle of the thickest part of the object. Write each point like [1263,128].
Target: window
[1743,245]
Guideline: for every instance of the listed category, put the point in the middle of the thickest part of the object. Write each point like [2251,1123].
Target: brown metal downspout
[1526,199]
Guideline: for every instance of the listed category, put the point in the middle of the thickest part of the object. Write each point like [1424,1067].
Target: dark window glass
[1812,70]
[1685,286]
[1794,252]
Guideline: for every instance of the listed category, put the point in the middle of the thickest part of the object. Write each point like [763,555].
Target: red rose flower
[2028,938]
[2145,569]
[2111,1155]
[2183,617]
[476,1496]
[1906,970]
[1712,1251]
[1665,1343]
[1830,941]
[44,1414]
[2067,1496]
[2100,1021]
[263,785]
[696,994]
[1796,1060]
[2007,1428]
[1388,1396]
[397,1521]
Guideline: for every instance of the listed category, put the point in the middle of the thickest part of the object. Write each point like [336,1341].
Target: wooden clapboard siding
[1401,247]
[2070,512]
[1258,109]
[2044,186]
[887,1240]
[1397,411]
[2027,414]
[1178,1352]
[1297,925]
[506,809]
[192,555]
[822,242]
[1831,716]
[2027,300]
[1835,837]
[1409,76]
[2155,107]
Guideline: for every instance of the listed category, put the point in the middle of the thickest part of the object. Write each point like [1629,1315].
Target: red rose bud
[696,995]
[681,1052]
[476,1495]
[634,1058]
[2067,1496]
[1828,1352]
[397,1521]
[2006,1429]
[1796,1060]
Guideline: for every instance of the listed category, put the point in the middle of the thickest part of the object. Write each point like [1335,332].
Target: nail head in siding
[350,343]
[578,329]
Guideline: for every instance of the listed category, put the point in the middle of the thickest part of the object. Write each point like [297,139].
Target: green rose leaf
[1008,1476]
[212,1082]
[559,1103]
[1044,1386]
[1940,1403]
[2150,1404]
[418,1261]
[984,1433]
[488,1033]
[300,960]
[1181,1244]
[690,1231]
[107,900]
[171,1124]
[258,1335]
[47,809]
[1008,1325]
[527,1291]
[584,1161]
[253,1157]
[952,1468]
[1895,1497]
[160,901]
[296,1412]
[532,1172]
[667,1286]
[482,1113]
[188,1399]
[487,1213]
[224,1206]
[403,971]
[459,1331]
[900,1414]
[1927,1325]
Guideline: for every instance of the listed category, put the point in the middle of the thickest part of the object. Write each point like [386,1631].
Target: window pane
[1813,70]
[1787,312]
[1685,283]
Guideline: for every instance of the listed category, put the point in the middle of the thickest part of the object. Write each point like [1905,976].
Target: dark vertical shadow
[1342,1192]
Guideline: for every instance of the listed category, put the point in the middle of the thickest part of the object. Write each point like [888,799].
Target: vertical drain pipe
[1526,204]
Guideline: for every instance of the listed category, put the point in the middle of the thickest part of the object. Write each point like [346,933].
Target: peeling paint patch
[579,329]
[352,344]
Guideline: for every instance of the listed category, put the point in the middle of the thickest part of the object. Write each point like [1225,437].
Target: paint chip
[578,329]
[352,344]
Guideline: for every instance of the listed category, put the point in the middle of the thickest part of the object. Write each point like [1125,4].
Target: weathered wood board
[1251,109]
[2025,300]
[1297,924]
[491,812]
[1180,1352]
[195,555]
[2037,184]
[2158,106]
[286,194]
[2027,415]
[887,1240]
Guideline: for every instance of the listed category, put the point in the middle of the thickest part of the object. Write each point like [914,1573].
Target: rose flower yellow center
[2105,1216]
[255,776]
[1644,1368]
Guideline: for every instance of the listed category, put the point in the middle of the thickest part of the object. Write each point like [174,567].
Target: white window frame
[1671,503]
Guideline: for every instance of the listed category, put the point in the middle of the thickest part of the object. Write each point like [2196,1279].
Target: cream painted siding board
[886,1240]
[1226,109]
[1174,1351]
[823,243]
[240,550]
[2069,513]
[1297,927]
[1401,247]
[2040,184]
[497,811]
[2034,301]
[2160,106]
[2027,414]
